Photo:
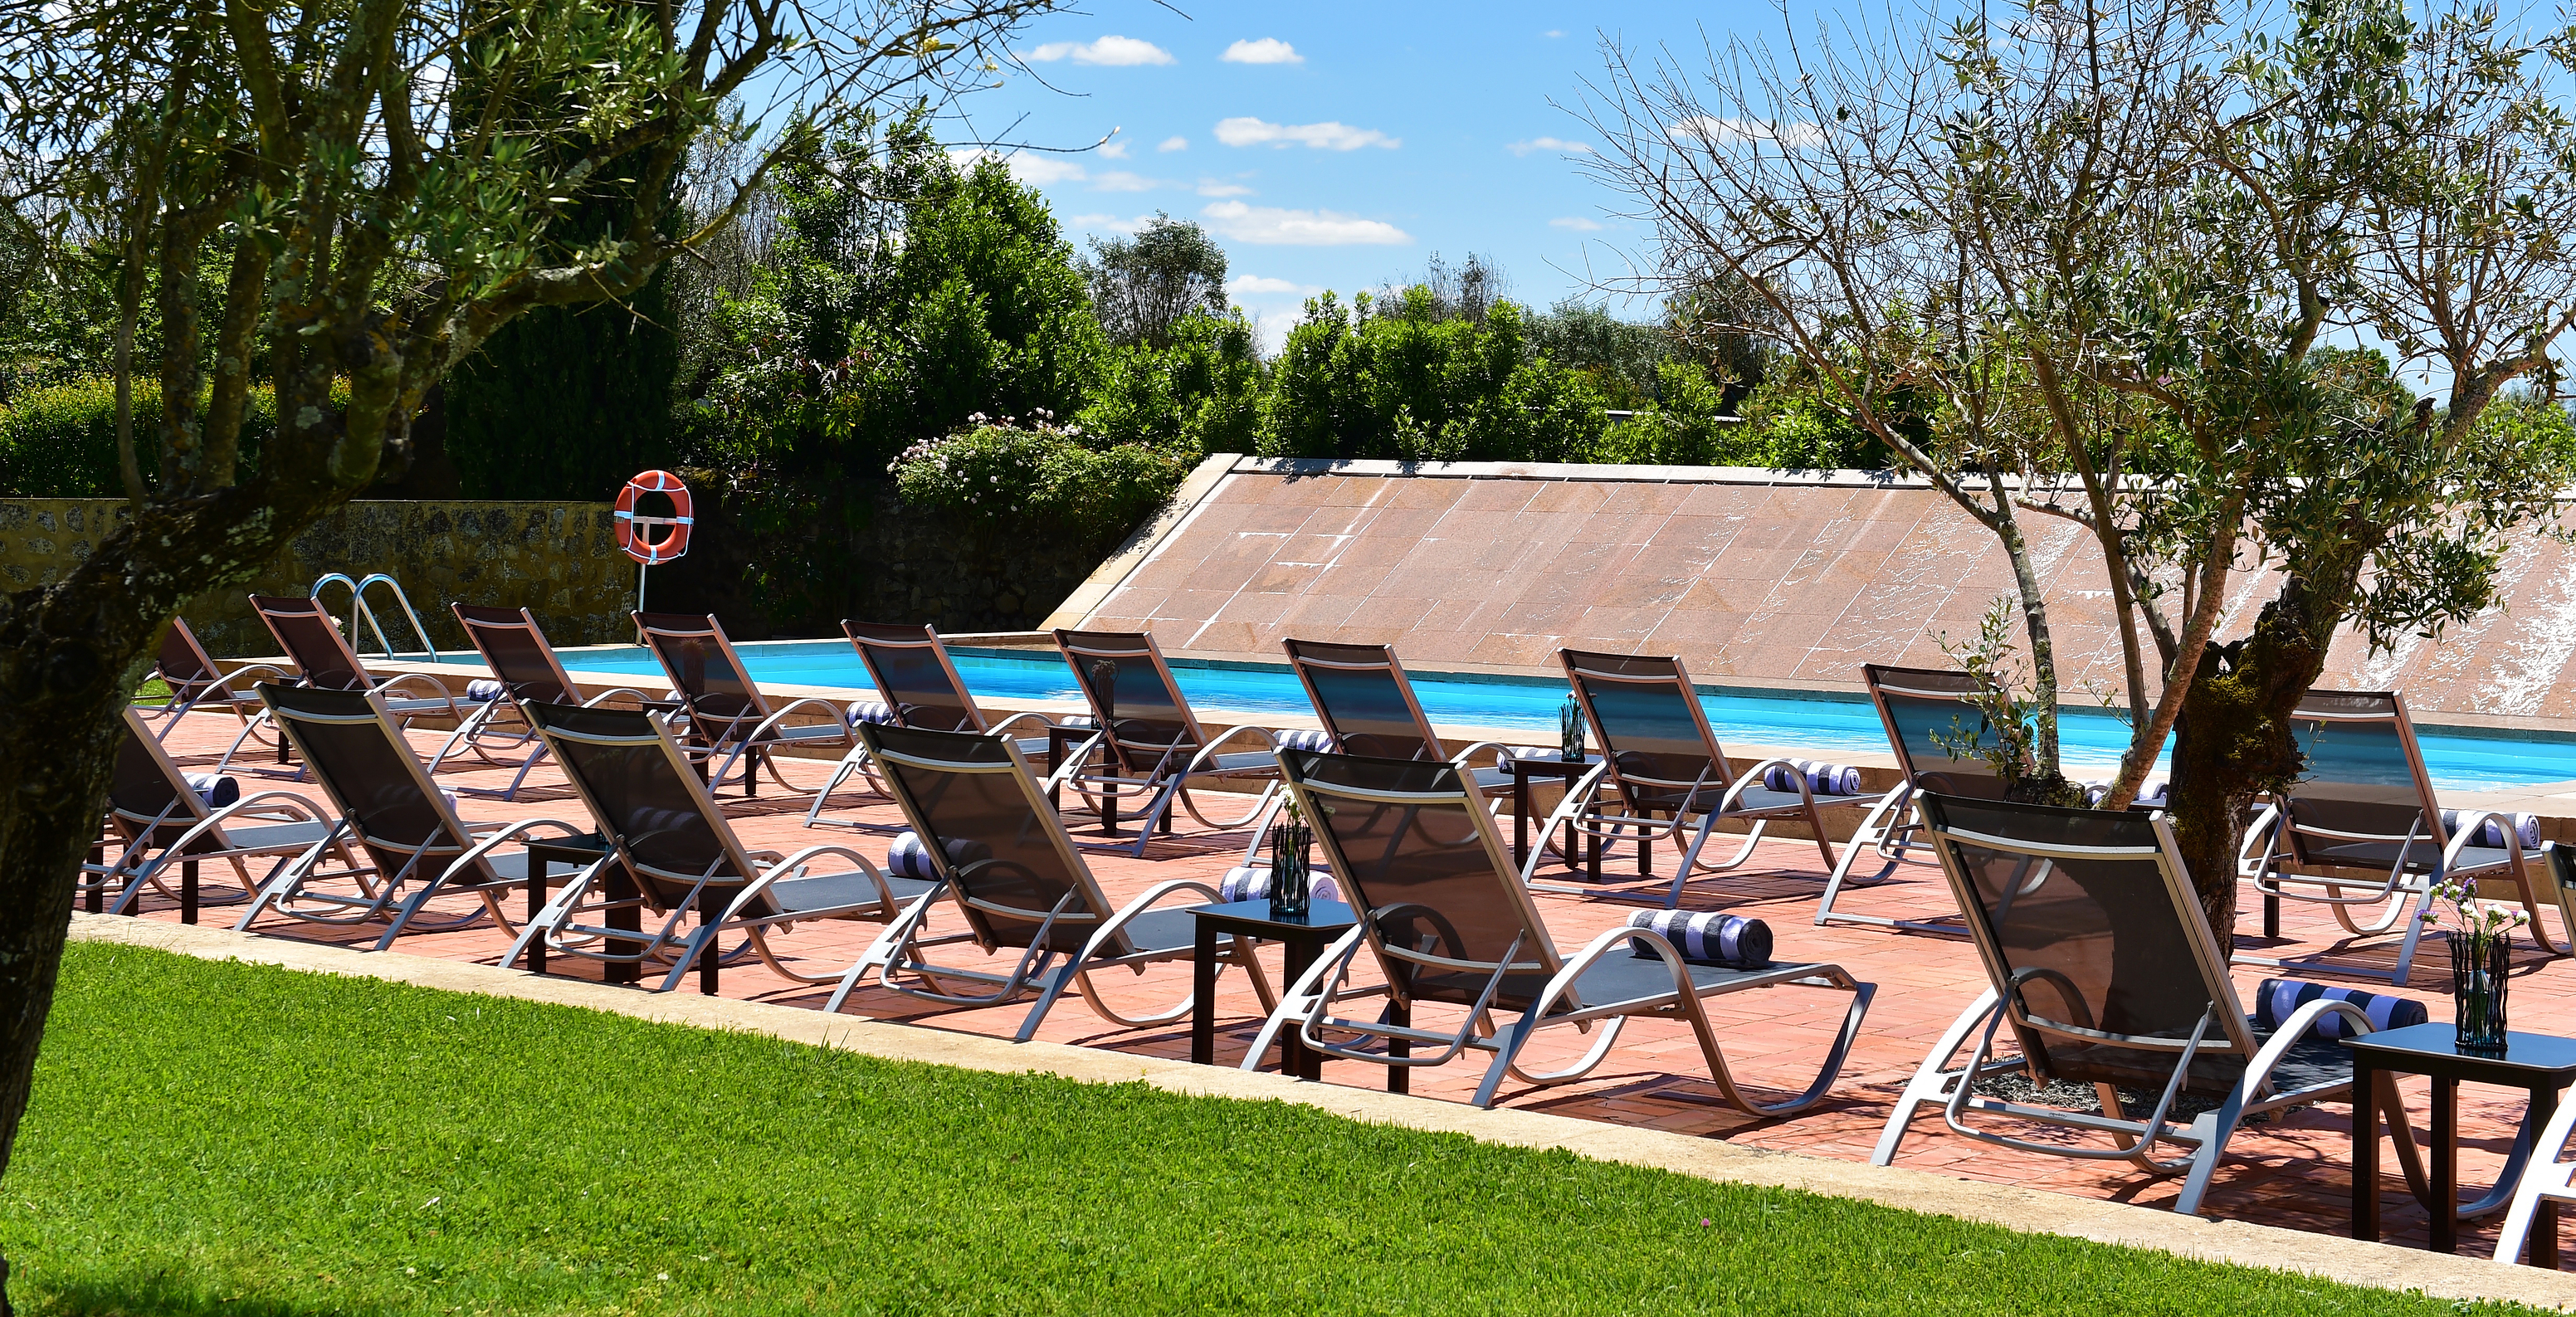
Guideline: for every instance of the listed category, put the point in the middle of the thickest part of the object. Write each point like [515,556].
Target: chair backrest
[912,671]
[184,663]
[2364,778]
[1919,704]
[2091,933]
[721,695]
[1133,695]
[1363,699]
[368,769]
[645,798]
[313,641]
[991,834]
[1413,846]
[1653,729]
[149,791]
[517,652]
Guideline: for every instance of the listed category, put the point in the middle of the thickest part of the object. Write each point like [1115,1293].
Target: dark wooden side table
[1567,771]
[577,852]
[2539,1064]
[1302,939]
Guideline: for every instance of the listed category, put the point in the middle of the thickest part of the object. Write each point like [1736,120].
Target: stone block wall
[560,559]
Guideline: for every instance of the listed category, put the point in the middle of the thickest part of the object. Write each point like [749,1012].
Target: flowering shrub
[1006,474]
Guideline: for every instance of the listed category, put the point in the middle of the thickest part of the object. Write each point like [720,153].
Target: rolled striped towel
[2489,827]
[1251,882]
[217,792]
[1083,721]
[2153,793]
[1505,754]
[484,690]
[906,857]
[869,711]
[1707,938]
[1823,779]
[2276,1000]
[1303,738]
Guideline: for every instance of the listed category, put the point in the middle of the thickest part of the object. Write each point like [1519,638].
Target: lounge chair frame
[520,657]
[882,648]
[311,639]
[1892,829]
[1318,663]
[2224,1033]
[1442,794]
[195,680]
[978,888]
[739,725]
[161,821]
[1162,755]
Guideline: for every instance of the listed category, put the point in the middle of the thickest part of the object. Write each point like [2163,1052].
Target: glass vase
[2478,981]
[1291,886]
[1569,729]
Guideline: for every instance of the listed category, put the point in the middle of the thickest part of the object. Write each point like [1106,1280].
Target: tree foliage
[1144,285]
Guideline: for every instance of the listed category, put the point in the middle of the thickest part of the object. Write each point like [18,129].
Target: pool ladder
[358,608]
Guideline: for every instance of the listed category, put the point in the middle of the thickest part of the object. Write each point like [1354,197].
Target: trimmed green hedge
[1005,477]
[60,442]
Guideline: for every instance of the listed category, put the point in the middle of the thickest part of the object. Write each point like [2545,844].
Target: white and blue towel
[906,857]
[1505,754]
[1303,738]
[1823,779]
[2153,793]
[2489,827]
[484,690]
[2276,1000]
[217,792]
[1707,937]
[869,711]
[1251,882]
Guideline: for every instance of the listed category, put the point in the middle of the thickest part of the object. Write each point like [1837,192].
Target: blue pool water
[2459,759]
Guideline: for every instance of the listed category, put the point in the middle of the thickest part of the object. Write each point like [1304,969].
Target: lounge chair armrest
[1208,752]
[431,688]
[831,712]
[1025,715]
[1578,795]
[2258,1072]
[269,670]
[1072,765]
[1463,757]
[792,865]
[1128,912]
[2266,828]
[288,805]
[640,698]
[484,845]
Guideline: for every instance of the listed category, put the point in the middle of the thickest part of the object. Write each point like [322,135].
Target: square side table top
[1328,917]
[2433,1049]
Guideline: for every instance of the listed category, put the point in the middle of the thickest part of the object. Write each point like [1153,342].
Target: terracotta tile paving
[2289,1172]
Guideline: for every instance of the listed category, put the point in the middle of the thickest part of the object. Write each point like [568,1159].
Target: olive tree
[344,198]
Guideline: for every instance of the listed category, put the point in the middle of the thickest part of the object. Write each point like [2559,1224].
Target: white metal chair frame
[858,763]
[1190,756]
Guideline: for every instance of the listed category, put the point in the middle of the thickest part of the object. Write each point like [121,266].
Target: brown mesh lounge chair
[324,661]
[1451,925]
[922,689]
[662,824]
[414,845]
[1920,709]
[524,666]
[727,714]
[2364,827]
[2099,960]
[196,681]
[1151,742]
[983,819]
[1367,707]
[161,818]
[1663,759]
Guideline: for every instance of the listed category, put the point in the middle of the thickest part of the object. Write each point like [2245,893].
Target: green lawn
[211,1138]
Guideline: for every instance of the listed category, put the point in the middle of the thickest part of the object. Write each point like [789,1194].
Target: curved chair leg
[2546,1178]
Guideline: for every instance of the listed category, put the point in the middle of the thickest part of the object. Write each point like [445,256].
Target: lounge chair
[921,689]
[161,817]
[406,829]
[2363,826]
[324,661]
[727,714]
[683,858]
[1662,758]
[1367,706]
[525,667]
[1151,743]
[984,822]
[2098,958]
[1920,708]
[1450,923]
[195,680]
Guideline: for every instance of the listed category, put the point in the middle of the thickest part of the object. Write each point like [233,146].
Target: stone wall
[560,559]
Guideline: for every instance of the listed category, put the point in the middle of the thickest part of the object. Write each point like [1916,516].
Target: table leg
[623,915]
[1297,955]
[187,891]
[2446,1165]
[1203,996]
[1399,1079]
[1520,819]
[2544,1219]
[2365,1148]
[710,909]
[1109,809]
[2271,916]
[1055,760]
[1646,848]
[537,871]
[94,899]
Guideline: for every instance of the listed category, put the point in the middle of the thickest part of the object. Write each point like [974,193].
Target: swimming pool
[2460,759]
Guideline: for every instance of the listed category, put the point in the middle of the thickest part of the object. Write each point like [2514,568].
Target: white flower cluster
[2481,920]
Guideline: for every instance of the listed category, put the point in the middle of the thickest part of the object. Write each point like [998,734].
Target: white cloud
[1110,223]
[1258,284]
[1120,180]
[1034,170]
[1268,50]
[1175,143]
[1326,136]
[1722,132]
[1113,51]
[1217,187]
[1273,226]
[1113,150]
[1553,33]
[1576,223]
[1548,144]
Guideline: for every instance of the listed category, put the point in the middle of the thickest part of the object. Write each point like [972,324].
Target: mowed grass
[220,1138]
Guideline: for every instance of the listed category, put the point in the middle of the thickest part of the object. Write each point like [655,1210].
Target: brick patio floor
[2290,1172]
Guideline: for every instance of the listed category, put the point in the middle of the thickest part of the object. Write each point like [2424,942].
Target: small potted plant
[1291,886]
[2481,953]
[1569,729]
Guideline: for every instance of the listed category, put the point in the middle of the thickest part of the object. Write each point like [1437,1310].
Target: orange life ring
[635,533]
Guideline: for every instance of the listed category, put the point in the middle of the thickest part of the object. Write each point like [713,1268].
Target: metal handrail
[358,608]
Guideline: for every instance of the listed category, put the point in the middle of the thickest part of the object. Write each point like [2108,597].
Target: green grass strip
[223,1138]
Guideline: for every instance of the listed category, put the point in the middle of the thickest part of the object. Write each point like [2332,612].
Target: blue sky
[1333,145]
